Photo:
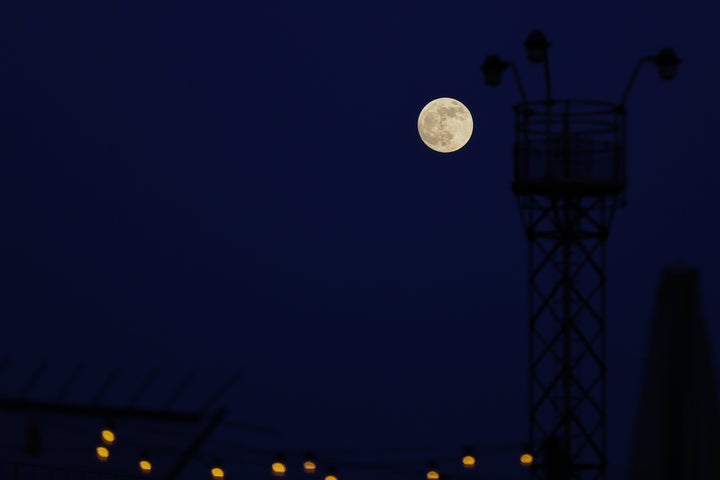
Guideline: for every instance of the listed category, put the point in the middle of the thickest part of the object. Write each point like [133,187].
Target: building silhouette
[678,427]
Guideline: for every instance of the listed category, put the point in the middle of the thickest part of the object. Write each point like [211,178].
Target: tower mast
[569,179]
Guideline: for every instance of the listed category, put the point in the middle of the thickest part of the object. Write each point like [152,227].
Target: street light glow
[279,469]
[309,466]
[102,453]
[108,436]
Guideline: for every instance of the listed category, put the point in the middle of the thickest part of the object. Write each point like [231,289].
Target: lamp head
[278,466]
[536,45]
[667,62]
[145,464]
[492,69]
[309,464]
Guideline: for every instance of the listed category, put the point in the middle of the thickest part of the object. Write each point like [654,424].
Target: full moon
[445,125]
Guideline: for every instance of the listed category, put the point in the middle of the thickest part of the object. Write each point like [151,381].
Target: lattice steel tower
[569,178]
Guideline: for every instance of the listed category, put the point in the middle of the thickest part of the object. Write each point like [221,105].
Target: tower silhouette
[569,179]
[678,426]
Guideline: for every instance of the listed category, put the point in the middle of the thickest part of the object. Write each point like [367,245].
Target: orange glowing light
[309,466]
[432,475]
[108,436]
[279,469]
[145,466]
[102,453]
[217,473]
[526,459]
[468,461]
[331,477]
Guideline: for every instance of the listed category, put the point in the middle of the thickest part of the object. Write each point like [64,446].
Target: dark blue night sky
[204,186]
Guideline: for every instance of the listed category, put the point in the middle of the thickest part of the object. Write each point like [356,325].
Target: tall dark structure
[569,178]
[678,427]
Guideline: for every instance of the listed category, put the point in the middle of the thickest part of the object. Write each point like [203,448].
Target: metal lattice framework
[569,179]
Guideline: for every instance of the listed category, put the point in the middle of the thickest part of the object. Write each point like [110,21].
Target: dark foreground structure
[569,179]
[24,471]
[678,429]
